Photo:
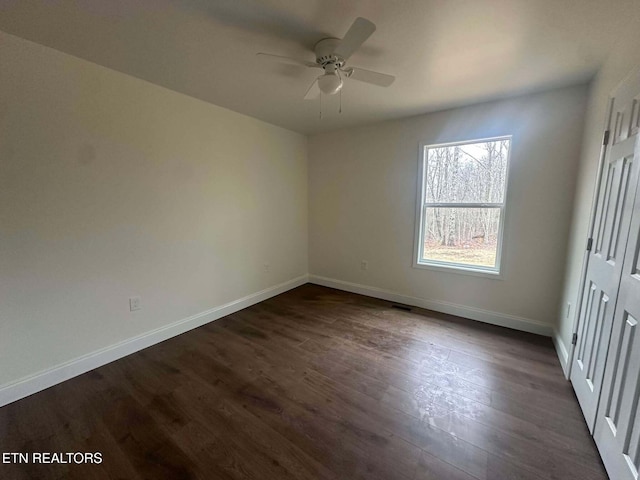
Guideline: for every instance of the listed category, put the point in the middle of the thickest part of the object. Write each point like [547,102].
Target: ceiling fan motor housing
[325,55]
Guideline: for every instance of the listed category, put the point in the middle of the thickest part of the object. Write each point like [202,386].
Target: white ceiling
[444,53]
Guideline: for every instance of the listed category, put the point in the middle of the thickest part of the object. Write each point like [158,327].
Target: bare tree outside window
[462,204]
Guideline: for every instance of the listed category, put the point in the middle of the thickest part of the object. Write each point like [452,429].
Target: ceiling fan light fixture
[329,83]
[331,56]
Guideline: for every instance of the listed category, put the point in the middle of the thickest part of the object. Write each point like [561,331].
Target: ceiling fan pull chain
[340,92]
[320,105]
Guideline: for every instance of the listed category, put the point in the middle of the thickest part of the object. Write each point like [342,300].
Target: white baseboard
[561,350]
[486,316]
[47,378]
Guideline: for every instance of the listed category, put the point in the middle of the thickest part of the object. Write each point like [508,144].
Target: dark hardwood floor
[316,384]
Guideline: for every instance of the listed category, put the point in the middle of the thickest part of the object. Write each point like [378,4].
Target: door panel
[611,232]
[617,428]
[603,278]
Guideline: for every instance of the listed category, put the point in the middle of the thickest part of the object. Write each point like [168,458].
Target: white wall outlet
[134,304]
[266,268]
[364,265]
[568,309]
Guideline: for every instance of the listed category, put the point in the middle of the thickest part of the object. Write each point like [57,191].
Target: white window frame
[421,206]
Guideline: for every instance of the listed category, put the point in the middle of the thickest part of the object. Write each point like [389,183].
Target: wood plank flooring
[316,384]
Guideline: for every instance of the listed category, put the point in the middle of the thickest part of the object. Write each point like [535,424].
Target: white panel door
[611,231]
[617,430]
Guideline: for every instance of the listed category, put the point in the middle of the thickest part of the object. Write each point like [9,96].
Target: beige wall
[622,61]
[112,187]
[362,193]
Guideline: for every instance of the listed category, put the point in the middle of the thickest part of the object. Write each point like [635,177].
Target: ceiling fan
[331,56]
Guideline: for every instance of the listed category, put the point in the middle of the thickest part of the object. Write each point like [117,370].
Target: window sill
[460,269]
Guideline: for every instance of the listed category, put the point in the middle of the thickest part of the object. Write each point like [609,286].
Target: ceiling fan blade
[360,30]
[369,76]
[292,61]
[313,92]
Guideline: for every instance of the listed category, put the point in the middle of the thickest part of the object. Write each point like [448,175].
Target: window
[461,202]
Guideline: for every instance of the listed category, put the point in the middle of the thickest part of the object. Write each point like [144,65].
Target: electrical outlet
[568,309]
[134,304]
[364,265]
